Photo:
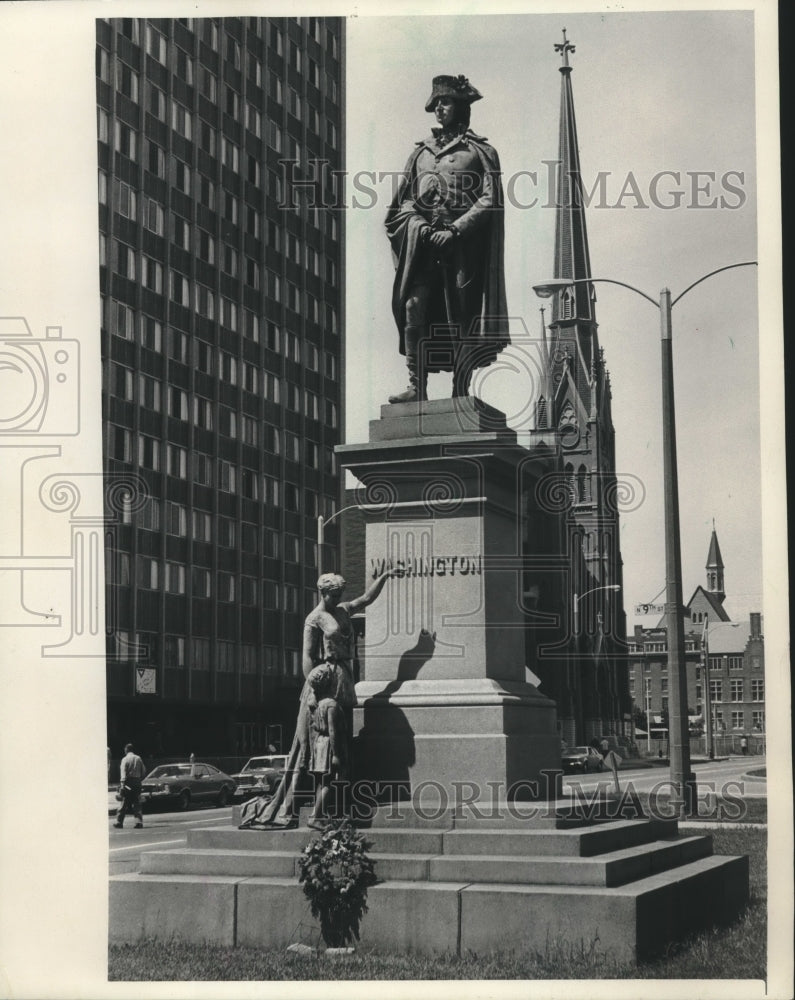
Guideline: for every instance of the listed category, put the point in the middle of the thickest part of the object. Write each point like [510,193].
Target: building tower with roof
[573,419]
[221,336]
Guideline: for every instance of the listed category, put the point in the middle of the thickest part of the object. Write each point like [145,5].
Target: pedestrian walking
[604,746]
[132,773]
[744,746]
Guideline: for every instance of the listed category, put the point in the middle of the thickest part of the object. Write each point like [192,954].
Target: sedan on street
[582,759]
[260,775]
[182,784]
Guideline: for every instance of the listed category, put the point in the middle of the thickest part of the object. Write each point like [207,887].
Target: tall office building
[222,353]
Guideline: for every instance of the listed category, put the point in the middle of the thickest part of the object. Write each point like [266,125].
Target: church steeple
[572,259]
[573,324]
[714,567]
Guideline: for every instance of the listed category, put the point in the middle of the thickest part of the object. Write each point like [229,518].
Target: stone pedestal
[444,709]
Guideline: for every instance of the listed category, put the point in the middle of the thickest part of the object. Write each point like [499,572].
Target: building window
[227,532]
[154,220]
[292,548]
[127,81]
[227,477]
[228,368]
[290,598]
[177,461]
[226,587]
[203,356]
[149,516]
[206,137]
[177,403]
[174,652]
[124,200]
[735,663]
[156,102]
[225,656]
[230,155]
[125,260]
[155,159]
[183,65]
[121,444]
[175,578]
[253,119]
[204,301]
[758,719]
[178,346]
[147,572]
[206,246]
[716,691]
[203,413]
[202,526]
[270,491]
[180,119]
[738,719]
[232,103]
[122,382]
[736,690]
[664,685]
[757,689]
[232,52]
[209,31]
[125,141]
[149,393]
[206,192]
[251,325]
[208,86]
[201,582]
[330,365]
[228,314]
[179,289]
[248,484]
[202,469]
[181,176]
[249,431]
[155,44]
[148,452]
[249,377]
[152,274]
[227,422]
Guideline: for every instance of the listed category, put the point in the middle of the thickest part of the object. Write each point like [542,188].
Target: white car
[260,775]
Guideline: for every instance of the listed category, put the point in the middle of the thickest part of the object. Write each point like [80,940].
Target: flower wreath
[336,873]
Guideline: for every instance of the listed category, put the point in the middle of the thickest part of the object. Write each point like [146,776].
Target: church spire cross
[564,48]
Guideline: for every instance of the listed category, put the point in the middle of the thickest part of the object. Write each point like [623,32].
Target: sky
[653,93]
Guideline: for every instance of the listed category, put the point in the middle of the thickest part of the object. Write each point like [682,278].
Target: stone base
[448,740]
[527,879]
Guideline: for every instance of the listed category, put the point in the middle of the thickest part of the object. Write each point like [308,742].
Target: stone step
[218,861]
[577,842]
[613,868]
[631,921]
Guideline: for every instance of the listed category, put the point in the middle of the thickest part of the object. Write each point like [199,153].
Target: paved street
[161,830]
[712,775]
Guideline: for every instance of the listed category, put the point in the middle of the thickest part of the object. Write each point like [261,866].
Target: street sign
[145,680]
[649,609]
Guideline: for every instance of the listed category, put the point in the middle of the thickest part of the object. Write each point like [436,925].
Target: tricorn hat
[452,86]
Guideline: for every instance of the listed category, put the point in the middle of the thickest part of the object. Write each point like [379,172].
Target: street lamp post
[682,781]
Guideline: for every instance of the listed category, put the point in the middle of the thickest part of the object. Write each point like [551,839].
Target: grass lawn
[735,952]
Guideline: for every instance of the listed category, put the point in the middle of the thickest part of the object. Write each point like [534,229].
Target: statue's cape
[404,226]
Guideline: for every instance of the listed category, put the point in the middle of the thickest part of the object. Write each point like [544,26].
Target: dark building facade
[222,352]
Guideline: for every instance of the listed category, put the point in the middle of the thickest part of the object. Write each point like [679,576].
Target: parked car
[260,775]
[582,759]
[182,784]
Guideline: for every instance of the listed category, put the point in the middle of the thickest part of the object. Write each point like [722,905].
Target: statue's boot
[417,391]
